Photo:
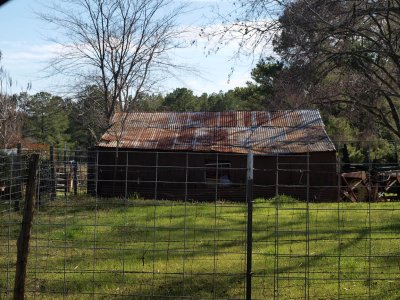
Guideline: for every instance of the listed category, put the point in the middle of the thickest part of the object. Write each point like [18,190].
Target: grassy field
[136,249]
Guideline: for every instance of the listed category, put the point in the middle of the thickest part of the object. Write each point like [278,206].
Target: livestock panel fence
[128,224]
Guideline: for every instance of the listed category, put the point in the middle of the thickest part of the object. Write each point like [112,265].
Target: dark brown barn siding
[164,175]
[292,176]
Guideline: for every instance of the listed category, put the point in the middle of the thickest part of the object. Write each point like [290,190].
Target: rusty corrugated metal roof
[290,131]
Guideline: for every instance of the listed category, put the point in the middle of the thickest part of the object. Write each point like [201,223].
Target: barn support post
[115,170]
[126,176]
[277,177]
[156,179]
[25,233]
[96,173]
[249,199]
[91,183]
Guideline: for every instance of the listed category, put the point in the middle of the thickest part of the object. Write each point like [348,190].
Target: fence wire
[174,225]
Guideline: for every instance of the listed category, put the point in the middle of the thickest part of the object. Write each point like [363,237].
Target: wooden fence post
[66,173]
[25,233]
[17,174]
[53,193]
[75,173]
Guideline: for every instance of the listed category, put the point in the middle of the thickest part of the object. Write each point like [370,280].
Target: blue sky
[26,50]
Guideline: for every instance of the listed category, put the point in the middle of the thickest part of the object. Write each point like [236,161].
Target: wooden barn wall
[164,176]
[292,176]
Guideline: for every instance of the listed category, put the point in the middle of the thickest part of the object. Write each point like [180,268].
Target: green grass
[141,249]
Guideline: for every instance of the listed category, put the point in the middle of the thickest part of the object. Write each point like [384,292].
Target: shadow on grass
[209,232]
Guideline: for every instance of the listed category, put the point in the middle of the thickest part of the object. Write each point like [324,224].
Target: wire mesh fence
[181,225]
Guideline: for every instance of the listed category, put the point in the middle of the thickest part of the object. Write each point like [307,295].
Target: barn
[203,155]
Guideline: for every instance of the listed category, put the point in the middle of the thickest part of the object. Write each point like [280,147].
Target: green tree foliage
[256,95]
[181,99]
[149,103]
[375,148]
[220,102]
[46,118]
[339,129]
[264,88]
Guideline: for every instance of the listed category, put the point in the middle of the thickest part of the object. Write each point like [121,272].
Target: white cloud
[25,63]
[213,61]
[218,65]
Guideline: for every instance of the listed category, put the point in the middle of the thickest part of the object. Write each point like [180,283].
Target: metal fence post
[339,239]
[307,262]
[371,189]
[249,199]
[276,260]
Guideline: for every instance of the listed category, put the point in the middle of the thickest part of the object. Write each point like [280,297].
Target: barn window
[223,170]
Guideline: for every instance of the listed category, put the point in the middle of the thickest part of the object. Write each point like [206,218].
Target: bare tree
[251,24]
[10,119]
[342,52]
[119,45]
